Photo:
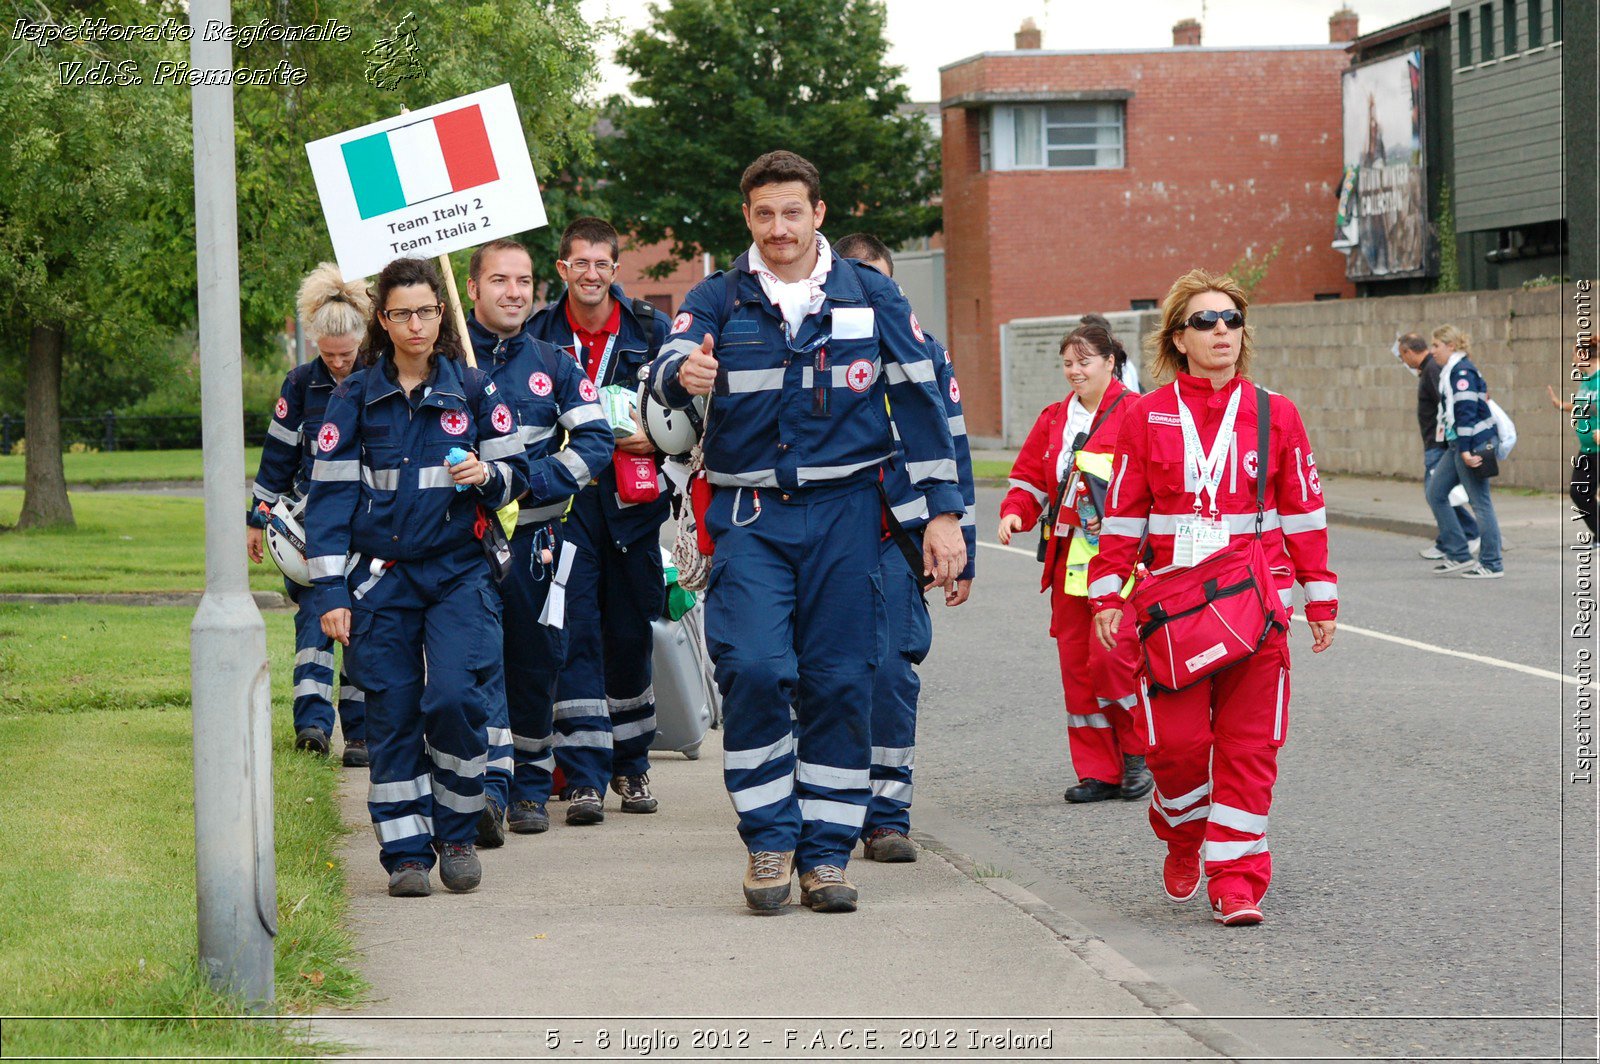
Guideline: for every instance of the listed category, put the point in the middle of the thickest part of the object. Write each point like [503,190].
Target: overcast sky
[927,34]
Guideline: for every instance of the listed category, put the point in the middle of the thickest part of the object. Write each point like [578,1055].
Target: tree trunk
[44,499]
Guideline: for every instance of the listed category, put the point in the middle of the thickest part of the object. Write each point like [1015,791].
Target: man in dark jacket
[1413,351]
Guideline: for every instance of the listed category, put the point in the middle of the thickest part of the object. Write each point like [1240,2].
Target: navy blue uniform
[286,457]
[568,444]
[797,430]
[605,711]
[896,686]
[390,538]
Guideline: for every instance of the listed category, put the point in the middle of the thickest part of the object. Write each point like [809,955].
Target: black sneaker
[409,880]
[491,825]
[355,754]
[312,739]
[635,791]
[528,818]
[459,869]
[1092,790]
[1136,779]
[585,806]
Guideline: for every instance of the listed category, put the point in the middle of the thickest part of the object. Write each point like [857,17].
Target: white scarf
[794,299]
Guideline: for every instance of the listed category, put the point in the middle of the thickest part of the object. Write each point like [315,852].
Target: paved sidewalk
[637,927]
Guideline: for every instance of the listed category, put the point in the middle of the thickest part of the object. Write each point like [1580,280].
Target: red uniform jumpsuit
[1214,746]
[1099,686]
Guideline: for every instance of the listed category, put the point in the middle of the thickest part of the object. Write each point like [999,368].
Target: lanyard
[599,373]
[1205,470]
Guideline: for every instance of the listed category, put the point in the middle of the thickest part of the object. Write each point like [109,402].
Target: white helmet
[286,539]
[673,432]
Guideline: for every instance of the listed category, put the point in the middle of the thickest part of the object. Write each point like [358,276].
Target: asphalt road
[1422,827]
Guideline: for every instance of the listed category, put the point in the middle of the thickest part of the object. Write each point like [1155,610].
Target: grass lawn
[122,543]
[97,788]
[122,467]
[990,469]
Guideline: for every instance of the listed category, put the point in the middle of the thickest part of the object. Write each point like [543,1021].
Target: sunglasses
[1206,320]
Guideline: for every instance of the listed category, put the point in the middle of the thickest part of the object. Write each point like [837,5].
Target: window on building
[1555,20]
[1486,31]
[1464,39]
[1142,304]
[1535,23]
[985,138]
[1326,297]
[1058,136]
[1508,20]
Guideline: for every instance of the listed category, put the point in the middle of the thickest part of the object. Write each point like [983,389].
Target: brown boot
[825,890]
[766,880]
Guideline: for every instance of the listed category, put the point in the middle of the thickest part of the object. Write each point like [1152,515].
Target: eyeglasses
[1206,320]
[403,315]
[582,266]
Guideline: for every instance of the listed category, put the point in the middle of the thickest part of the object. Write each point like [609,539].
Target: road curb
[266,600]
[1105,961]
[1422,529]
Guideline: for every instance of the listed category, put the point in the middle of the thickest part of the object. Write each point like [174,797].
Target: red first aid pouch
[636,478]
[700,492]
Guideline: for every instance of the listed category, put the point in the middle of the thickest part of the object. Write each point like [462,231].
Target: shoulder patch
[916,328]
[328,438]
[501,418]
[281,411]
[682,322]
[1461,384]
[955,391]
[587,389]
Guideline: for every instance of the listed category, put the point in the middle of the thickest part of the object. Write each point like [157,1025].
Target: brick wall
[667,293]
[1358,401]
[1227,152]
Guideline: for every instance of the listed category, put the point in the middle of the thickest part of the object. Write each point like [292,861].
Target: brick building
[1089,180]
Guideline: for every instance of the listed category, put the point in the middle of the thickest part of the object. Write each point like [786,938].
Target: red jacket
[1033,474]
[1148,492]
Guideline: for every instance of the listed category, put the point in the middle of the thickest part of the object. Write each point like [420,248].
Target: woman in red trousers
[1186,469]
[1076,435]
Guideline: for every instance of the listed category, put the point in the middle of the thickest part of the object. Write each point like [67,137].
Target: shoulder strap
[1263,453]
[730,293]
[1101,417]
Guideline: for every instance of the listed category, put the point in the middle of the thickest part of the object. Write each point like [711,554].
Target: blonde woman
[1469,428]
[335,313]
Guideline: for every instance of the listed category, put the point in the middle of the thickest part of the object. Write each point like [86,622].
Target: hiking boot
[766,880]
[409,880]
[888,846]
[1092,790]
[491,825]
[528,818]
[1235,910]
[825,890]
[459,868]
[1136,779]
[1180,876]
[312,739]
[635,791]
[355,754]
[587,806]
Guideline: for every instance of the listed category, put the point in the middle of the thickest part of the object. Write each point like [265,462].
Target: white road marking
[1481,659]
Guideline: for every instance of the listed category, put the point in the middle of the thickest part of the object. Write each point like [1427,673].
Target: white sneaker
[1447,567]
[1478,572]
[1433,554]
[1474,544]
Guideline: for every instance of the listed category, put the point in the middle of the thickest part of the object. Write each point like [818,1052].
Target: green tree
[719,82]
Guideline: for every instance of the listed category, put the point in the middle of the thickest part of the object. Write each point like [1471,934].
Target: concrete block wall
[1359,403]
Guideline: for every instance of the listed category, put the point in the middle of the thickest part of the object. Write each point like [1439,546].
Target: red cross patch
[1461,384]
[682,322]
[955,391]
[860,375]
[1251,463]
[587,390]
[539,384]
[282,409]
[453,421]
[501,418]
[328,438]
[916,329]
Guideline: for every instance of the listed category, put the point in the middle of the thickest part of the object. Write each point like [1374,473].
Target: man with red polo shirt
[605,713]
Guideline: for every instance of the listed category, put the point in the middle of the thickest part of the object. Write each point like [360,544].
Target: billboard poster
[1382,223]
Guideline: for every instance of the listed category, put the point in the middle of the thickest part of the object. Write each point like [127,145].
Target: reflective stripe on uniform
[815,809]
[747,759]
[283,434]
[843,779]
[400,790]
[326,471]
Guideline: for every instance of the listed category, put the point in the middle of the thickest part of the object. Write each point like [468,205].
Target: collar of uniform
[1200,388]
[320,376]
[445,380]
[841,285]
[484,341]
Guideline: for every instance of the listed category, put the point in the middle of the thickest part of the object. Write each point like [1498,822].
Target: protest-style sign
[427,182]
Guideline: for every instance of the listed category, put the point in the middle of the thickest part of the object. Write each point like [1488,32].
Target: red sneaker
[1235,910]
[1180,876]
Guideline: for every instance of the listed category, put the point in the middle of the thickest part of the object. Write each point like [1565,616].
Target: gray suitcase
[683,709]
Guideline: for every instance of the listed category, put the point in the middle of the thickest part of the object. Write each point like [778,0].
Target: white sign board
[427,182]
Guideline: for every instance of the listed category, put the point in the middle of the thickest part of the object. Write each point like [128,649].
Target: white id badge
[1196,539]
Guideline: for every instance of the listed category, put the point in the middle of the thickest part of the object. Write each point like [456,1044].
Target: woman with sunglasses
[1070,441]
[392,528]
[1185,479]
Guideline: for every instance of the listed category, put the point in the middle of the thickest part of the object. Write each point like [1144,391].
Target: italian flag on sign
[414,163]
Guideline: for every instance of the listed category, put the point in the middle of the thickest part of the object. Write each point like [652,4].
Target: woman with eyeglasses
[416,453]
[1185,484]
[335,313]
[1072,441]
